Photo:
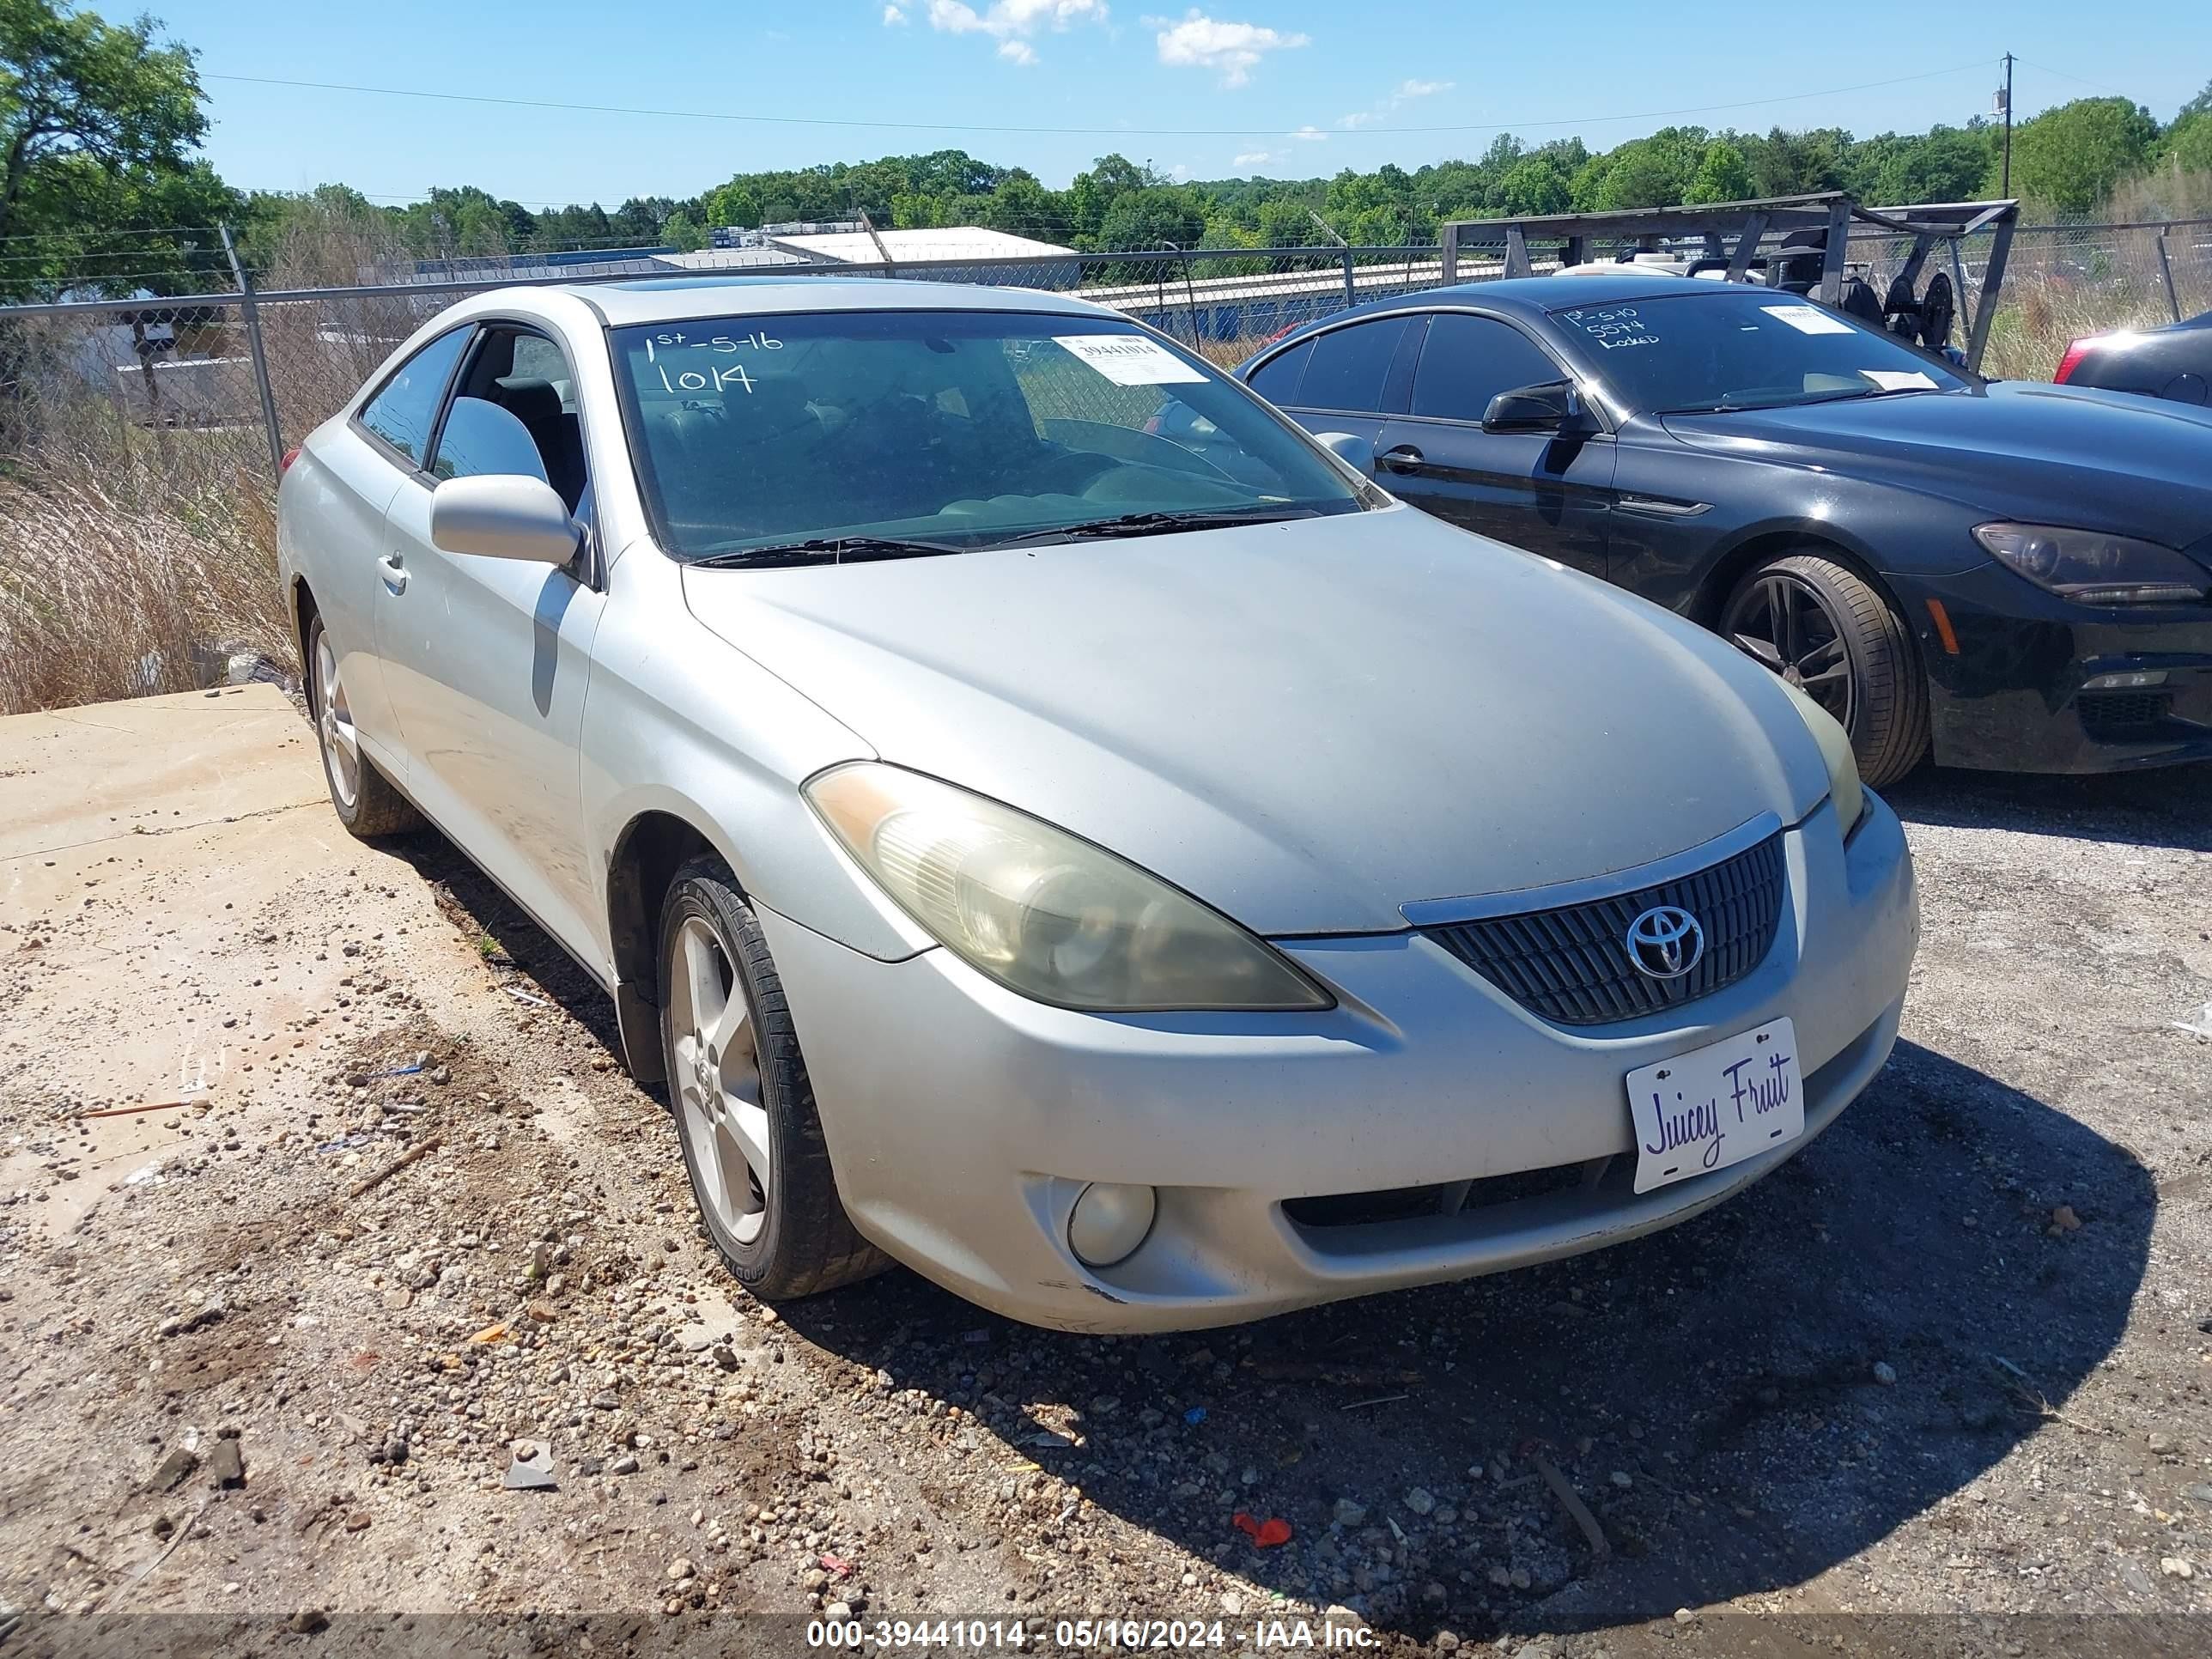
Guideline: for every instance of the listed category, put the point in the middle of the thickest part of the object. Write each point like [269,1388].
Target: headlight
[1843,786]
[1041,911]
[2094,567]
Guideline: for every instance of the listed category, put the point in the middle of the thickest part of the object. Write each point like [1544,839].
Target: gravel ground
[1944,1383]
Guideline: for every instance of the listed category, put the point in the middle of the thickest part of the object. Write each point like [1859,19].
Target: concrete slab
[72,777]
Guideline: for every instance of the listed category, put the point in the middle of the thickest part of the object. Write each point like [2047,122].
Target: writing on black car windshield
[1737,348]
[876,433]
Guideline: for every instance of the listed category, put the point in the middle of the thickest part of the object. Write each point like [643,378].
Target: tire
[365,799]
[740,1089]
[1835,619]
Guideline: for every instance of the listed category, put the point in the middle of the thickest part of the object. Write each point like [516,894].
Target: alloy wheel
[334,724]
[718,1081]
[1782,622]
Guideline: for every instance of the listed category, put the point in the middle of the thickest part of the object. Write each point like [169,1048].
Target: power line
[2079,81]
[1116,132]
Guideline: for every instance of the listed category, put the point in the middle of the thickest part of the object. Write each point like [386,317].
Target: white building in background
[952,254]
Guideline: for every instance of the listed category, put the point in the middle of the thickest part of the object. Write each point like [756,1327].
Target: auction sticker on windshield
[1129,359]
[1808,319]
[1716,1105]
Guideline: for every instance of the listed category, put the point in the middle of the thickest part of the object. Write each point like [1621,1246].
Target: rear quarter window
[402,413]
[1277,379]
[1350,365]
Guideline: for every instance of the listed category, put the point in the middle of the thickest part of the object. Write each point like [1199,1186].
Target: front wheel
[745,1108]
[365,799]
[1828,631]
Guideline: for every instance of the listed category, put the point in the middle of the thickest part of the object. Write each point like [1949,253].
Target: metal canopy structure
[1775,233]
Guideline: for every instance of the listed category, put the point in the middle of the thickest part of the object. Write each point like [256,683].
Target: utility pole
[2004,108]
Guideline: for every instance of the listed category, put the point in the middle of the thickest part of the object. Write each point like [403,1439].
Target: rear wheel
[1828,631]
[745,1108]
[365,802]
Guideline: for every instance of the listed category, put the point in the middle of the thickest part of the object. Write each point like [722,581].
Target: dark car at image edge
[2173,360]
[2005,575]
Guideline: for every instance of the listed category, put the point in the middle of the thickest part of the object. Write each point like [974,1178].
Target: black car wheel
[744,1110]
[1829,632]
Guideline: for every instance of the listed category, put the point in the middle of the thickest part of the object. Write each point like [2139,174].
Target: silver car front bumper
[964,1121]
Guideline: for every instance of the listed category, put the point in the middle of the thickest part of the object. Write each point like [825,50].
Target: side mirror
[1555,406]
[1354,451]
[502,515]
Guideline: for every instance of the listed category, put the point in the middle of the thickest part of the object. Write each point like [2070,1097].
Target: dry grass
[113,584]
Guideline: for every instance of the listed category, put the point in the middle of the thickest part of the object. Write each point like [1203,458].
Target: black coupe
[2010,575]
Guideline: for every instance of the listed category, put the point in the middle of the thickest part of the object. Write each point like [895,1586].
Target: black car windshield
[1743,348]
[883,434]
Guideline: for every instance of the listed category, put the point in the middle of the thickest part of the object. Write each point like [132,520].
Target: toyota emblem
[1665,942]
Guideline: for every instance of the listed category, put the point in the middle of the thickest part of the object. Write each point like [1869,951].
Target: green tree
[1722,175]
[682,233]
[639,218]
[73,86]
[1944,164]
[2187,144]
[2070,158]
[1533,185]
[1652,172]
[1152,218]
[733,203]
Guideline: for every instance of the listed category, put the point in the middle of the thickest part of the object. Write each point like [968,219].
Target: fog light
[1109,1221]
[2135,682]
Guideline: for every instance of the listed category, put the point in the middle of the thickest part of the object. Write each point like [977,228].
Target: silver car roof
[672,298]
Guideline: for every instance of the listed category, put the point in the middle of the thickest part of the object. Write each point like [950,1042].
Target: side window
[1467,361]
[1350,365]
[514,410]
[1277,379]
[404,411]
[537,358]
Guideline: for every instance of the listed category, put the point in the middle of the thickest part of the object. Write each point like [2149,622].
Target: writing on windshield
[1714,347]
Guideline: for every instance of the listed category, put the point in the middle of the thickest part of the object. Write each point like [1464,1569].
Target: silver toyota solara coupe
[1050,822]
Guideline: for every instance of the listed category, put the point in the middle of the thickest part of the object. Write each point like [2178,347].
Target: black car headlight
[2095,566]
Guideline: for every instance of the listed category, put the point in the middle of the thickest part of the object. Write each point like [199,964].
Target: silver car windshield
[861,433]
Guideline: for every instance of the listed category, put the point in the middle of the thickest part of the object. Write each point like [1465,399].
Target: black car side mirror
[1555,406]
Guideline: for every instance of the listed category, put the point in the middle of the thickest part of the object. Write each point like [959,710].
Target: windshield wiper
[828,550]
[1870,394]
[1157,524]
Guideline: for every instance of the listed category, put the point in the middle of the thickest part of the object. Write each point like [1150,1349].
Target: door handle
[1402,458]
[395,572]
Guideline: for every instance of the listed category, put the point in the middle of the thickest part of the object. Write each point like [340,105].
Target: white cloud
[1254,158]
[893,17]
[1230,50]
[1012,23]
[1308,135]
[1407,92]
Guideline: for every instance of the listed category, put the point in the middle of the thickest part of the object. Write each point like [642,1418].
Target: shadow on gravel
[2171,807]
[1712,1392]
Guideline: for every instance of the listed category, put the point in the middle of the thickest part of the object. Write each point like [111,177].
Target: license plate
[1716,1105]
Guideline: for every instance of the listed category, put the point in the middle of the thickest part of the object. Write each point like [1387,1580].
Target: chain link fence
[139,438]
[198,365]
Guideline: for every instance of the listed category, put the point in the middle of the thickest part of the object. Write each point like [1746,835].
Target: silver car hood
[1308,724]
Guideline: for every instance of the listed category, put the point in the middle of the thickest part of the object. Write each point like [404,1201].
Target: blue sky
[1289,88]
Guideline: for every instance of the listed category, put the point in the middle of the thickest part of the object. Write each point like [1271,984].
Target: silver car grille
[1571,965]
